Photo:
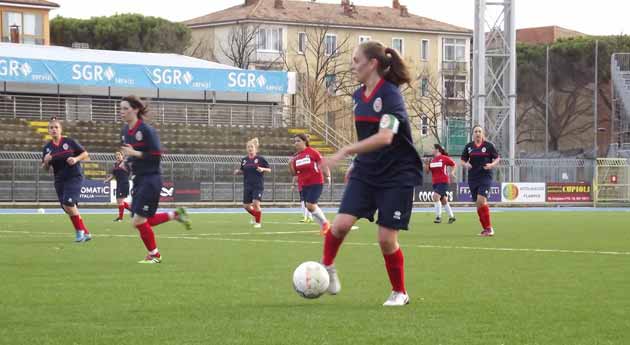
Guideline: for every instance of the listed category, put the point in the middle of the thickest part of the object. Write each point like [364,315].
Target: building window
[301,42]
[455,87]
[331,44]
[424,125]
[424,50]
[363,39]
[454,49]
[11,20]
[33,29]
[424,87]
[397,43]
[331,84]
[270,39]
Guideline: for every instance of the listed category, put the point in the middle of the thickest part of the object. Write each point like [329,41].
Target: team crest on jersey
[256,161]
[65,146]
[48,149]
[483,150]
[378,105]
[139,136]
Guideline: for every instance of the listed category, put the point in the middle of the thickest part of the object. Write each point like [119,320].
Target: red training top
[439,173]
[306,165]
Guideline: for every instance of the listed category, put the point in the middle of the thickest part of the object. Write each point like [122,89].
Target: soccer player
[480,157]
[440,177]
[64,155]
[253,169]
[142,145]
[387,166]
[306,165]
[120,172]
[307,216]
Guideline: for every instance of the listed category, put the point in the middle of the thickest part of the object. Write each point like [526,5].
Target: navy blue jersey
[395,165]
[66,148]
[251,177]
[145,139]
[478,157]
[121,172]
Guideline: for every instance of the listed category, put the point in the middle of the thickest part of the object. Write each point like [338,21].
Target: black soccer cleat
[452,220]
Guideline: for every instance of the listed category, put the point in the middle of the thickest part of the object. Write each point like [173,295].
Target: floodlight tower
[494,75]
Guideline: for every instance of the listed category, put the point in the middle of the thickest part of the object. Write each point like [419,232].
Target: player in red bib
[306,165]
[439,167]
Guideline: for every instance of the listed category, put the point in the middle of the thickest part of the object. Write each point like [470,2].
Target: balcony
[455,67]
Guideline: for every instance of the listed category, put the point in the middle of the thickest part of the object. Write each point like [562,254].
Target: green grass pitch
[547,278]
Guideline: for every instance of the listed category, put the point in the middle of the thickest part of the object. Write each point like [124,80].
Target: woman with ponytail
[386,168]
[141,143]
[253,168]
[440,177]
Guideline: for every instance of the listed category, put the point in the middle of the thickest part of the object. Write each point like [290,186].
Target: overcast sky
[603,17]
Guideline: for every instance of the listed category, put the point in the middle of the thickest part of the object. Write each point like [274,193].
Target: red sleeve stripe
[155,153]
[371,119]
[62,153]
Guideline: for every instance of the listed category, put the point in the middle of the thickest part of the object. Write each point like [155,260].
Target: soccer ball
[41,211]
[310,280]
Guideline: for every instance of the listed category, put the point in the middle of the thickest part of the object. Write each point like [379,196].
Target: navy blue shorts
[146,195]
[311,194]
[301,196]
[122,190]
[394,205]
[68,191]
[252,193]
[480,188]
[441,189]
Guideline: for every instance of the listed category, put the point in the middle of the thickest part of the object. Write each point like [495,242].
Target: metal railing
[22,179]
[107,109]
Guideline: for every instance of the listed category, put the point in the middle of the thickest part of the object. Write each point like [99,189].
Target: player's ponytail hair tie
[391,66]
[440,149]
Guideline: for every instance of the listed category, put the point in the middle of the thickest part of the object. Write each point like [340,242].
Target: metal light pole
[595,99]
[547,104]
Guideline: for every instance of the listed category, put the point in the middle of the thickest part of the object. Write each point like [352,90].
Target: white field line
[319,242]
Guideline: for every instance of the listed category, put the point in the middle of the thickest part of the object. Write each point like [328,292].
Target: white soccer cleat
[257,225]
[334,285]
[252,222]
[397,299]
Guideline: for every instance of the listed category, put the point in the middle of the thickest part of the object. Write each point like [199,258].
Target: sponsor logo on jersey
[436,165]
[302,162]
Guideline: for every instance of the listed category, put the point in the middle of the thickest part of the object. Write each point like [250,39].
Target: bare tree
[428,100]
[240,47]
[201,48]
[322,63]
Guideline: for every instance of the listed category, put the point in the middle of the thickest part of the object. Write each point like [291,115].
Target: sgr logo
[13,68]
[92,73]
[245,79]
[168,76]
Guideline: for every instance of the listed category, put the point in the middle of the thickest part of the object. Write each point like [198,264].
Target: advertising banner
[463,192]
[94,191]
[523,192]
[187,191]
[167,194]
[424,193]
[569,192]
[141,76]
